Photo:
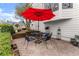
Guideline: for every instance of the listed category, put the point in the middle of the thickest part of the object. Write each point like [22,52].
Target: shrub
[7,28]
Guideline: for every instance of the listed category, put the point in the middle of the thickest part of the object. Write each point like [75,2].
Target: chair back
[47,36]
[77,38]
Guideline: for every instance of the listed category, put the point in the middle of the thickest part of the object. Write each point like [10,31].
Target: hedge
[6,28]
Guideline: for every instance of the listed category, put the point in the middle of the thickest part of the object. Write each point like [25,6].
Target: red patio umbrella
[38,14]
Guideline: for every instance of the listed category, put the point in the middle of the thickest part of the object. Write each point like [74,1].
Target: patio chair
[75,41]
[46,37]
[31,36]
[29,39]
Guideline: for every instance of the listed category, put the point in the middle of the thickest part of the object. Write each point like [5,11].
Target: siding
[69,28]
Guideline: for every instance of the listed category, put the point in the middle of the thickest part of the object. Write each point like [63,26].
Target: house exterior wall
[69,28]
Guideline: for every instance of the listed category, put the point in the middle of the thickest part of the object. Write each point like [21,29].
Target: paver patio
[58,48]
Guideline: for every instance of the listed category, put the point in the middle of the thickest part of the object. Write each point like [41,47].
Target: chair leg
[24,42]
[27,44]
[50,41]
[45,42]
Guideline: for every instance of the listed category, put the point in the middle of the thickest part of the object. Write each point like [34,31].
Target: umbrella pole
[38,25]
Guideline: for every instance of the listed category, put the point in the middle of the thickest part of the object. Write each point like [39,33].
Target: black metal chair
[46,37]
[75,41]
[31,36]
[29,39]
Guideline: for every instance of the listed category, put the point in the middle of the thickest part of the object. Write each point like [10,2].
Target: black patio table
[37,37]
[36,34]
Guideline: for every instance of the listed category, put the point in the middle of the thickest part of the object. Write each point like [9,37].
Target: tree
[20,8]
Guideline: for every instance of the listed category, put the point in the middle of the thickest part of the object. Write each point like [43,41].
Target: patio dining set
[37,14]
[37,37]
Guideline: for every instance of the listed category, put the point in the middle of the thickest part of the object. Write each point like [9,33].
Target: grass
[5,44]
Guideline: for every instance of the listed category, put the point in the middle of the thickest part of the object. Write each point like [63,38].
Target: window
[47,5]
[67,5]
[53,6]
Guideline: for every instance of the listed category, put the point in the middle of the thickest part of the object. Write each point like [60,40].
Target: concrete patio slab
[55,48]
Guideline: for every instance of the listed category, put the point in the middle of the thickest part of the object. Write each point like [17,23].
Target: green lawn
[5,44]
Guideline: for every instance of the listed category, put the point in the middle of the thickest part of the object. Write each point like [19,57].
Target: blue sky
[7,7]
[7,11]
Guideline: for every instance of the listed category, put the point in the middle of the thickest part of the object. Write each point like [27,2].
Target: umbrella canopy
[38,14]
[35,14]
